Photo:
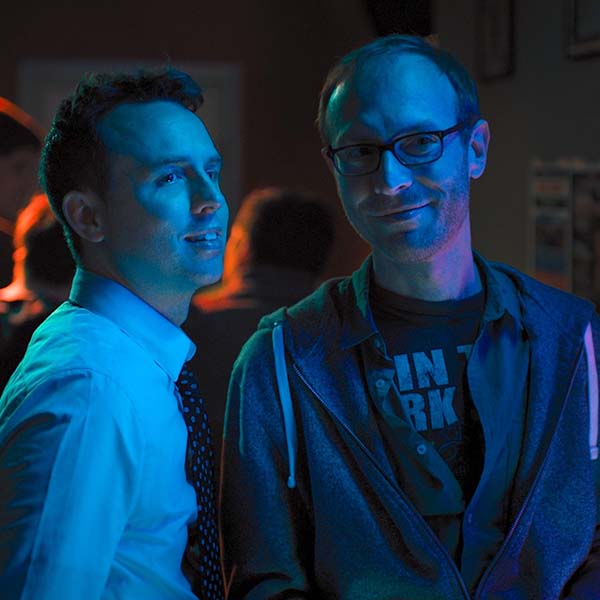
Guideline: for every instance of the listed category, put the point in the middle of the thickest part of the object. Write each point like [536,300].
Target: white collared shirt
[94,501]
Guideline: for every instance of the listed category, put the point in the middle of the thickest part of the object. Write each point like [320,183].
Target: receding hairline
[360,70]
[390,47]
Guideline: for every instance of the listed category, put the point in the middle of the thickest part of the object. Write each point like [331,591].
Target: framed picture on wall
[583,28]
[494,39]
[564,226]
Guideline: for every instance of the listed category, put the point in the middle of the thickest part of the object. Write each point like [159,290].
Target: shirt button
[380,384]
[469,518]
[421,449]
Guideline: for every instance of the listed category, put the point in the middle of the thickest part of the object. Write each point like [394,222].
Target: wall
[548,109]
[284,49]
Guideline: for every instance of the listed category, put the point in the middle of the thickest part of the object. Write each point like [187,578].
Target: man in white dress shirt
[95,501]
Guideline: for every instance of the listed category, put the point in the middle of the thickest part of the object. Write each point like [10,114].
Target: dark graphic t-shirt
[430,343]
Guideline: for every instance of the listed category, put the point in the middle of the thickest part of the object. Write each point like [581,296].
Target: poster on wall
[565,226]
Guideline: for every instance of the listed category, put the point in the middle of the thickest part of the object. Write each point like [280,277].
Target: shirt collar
[166,343]
[500,298]
[358,322]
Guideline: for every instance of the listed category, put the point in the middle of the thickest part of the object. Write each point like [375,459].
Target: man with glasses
[426,428]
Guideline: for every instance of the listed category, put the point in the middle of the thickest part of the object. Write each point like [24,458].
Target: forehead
[147,131]
[391,94]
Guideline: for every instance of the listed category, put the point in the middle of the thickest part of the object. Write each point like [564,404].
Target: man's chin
[403,253]
[204,279]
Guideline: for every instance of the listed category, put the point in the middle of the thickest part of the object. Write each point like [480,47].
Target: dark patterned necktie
[202,551]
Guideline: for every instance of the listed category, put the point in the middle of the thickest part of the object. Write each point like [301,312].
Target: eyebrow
[357,137]
[148,169]
[216,159]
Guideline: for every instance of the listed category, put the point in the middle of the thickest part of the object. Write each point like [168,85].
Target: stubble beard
[450,226]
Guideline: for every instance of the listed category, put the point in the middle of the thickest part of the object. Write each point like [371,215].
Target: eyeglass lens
[409,150]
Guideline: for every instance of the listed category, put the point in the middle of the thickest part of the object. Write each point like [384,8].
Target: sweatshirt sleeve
[585,584]
[266,526]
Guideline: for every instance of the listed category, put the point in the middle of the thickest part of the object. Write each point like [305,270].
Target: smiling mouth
[212,235]
[400,212]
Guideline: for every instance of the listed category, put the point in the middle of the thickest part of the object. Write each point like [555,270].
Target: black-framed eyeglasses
[411,150]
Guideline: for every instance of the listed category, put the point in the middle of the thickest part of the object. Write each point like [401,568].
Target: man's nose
[206,198]
[392,175]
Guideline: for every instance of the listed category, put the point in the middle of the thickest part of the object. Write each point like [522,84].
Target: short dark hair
[17,129]
[395,44]
[287,228]
[74,156]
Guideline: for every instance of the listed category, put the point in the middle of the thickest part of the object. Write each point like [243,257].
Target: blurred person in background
[20,146]
[43,270]
[279,244]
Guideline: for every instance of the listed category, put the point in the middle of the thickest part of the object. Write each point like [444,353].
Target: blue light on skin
[416,219]
[161,229]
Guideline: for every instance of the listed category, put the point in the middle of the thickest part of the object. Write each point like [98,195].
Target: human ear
[84,212]
[328,161]
[478,148]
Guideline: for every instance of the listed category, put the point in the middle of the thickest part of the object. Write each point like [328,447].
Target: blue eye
[169,178]
[420,144]
[213,175]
